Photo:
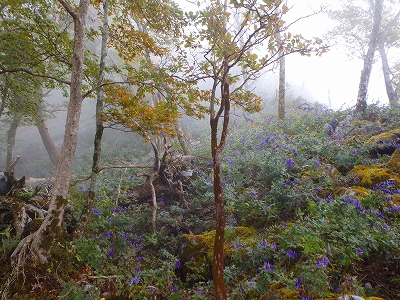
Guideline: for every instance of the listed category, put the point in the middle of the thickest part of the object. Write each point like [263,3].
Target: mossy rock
[385,143]
[353,191]
[394,163]
[370,176]
[196,251]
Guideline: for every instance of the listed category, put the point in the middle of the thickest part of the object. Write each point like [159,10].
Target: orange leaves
[132,43]
[141,114]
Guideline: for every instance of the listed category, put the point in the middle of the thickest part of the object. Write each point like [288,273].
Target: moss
[197,250]
[369,176]
[61,202]
[33,226]
[383,137]
[394,163]
[353,191]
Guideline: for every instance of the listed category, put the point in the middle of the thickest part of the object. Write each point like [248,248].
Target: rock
[5,184]
[353,191]
[385,143]
[350,297]
[394,163]
[344,127]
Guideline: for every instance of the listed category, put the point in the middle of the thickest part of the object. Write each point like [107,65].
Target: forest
[141,161]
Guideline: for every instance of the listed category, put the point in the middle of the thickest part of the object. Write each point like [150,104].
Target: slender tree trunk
[281,90]
[40,242]
[47,140]
[216,151]
[150,179]
[89,203]
[181,140]
[4,95]
[361,105]
[12,131]
[391,93]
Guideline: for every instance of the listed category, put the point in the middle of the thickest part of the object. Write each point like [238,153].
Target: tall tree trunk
[47,140]
[12,131]
[4,95]
[391,93]
[40,242]
[181,139]
[281,90]
[89,202]
[282,82]
[361,105]
[216,151]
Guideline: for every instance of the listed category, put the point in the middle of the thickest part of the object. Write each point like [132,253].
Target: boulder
[385,143]
[5,184]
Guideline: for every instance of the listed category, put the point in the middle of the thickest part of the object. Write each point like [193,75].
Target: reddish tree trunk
[216,150]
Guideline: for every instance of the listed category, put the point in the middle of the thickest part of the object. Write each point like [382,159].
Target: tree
[367,26]
[281,85]
[40,242]
[361,105]
[127,103]
[225,51]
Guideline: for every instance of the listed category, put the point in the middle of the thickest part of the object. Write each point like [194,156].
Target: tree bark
[391,93]
[47,140]
[12,131]
[40,242]
[216,151]
[89,202]
[361,105]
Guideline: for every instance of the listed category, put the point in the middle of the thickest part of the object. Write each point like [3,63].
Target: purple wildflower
[173,288]
[359,251]
[290,163]
[292,253]
[298,282]
[111,253]
[136,279]
[268,266]
[318,164]
[178,264]
[323,262]
[96,211]
[264,243]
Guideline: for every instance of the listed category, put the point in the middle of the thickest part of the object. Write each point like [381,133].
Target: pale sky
[333,75]
[331,79]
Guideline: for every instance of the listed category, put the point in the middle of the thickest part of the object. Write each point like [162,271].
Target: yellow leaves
[139,112]
[131,43]
[284,9]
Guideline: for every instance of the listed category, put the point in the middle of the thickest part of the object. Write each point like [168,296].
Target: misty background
[331,80]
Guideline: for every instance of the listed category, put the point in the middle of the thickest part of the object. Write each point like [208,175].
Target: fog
[331,79]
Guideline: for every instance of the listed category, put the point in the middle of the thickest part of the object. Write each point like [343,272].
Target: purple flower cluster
[291,253]
[298,282]
[96,211]
[323,262]
[358,205]
[268,266]
[355,202]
